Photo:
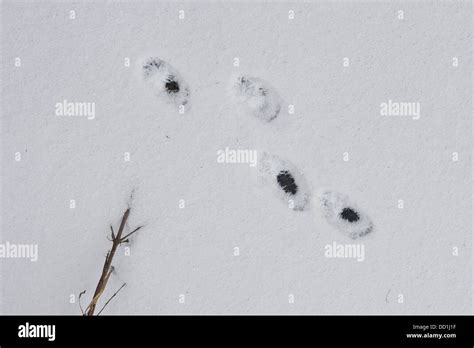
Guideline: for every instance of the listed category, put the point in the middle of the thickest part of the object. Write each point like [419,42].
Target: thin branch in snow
[107,269]
[79,300]
[110,299]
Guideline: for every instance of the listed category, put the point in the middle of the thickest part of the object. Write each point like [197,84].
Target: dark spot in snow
[287,182]
[349,214]
[172,86]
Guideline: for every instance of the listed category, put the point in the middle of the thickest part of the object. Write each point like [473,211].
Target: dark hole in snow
[172,86]
[287,182]
[349,215]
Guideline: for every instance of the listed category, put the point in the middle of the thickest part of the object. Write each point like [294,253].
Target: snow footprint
[343,214]
[165,81]
[289,182]
[256,97]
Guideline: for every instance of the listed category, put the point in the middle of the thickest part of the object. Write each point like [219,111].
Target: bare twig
[128,235]
[80,306]
[112,233]
[107,269]
[110,299]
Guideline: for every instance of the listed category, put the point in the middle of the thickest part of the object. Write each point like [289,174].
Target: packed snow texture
[256,97]
[344,214]
[217,238]
[288,182]
[165,81]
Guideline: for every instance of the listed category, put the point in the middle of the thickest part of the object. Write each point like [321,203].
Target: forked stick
[107,269]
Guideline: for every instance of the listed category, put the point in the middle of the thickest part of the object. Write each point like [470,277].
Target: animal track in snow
[166,81]
[343,214]
[256,97]
[289,182]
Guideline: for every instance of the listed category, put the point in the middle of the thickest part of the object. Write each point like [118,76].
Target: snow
[255,97]
[287,181]
[341,212]
[196,211]
[166,81]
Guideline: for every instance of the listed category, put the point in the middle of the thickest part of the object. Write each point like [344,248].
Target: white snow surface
[190,250]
